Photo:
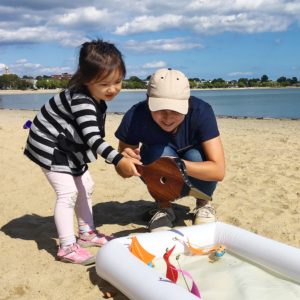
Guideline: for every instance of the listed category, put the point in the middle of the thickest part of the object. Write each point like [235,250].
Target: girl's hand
[126,167]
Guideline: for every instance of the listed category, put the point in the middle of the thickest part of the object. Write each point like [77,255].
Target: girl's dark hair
[96,60]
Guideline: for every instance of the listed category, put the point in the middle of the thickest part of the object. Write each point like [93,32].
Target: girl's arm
[214,168]
[85,114]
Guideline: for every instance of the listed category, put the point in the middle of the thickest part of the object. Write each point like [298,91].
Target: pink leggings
[71,192]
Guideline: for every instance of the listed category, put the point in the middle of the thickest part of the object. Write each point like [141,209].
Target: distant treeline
[12,81]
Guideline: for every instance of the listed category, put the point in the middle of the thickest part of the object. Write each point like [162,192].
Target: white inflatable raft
[138,281]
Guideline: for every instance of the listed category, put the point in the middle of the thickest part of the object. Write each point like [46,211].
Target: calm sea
[257,103]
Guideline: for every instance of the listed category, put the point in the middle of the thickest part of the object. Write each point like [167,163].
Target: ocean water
[255,103]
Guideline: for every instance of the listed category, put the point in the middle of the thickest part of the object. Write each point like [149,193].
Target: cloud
[24,67]
[162,45]
[212,17]
[2,66]
[155,65]
[82,16]
[207,24]
[42,5]
[240,74]
[293,8]
[278,41]
[146,69]
[150,24]
[34,35]
[150,27]
[68,27]
[29,21]
[242,22]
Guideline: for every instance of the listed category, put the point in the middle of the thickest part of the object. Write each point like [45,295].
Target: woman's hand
[126,167]
[132,153]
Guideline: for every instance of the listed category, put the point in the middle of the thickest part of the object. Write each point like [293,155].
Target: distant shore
[50,91]
[19,92]
[54,91]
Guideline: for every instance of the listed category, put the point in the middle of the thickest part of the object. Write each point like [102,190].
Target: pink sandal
[93,239]
[76,255]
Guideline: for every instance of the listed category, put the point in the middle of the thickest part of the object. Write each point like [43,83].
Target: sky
[205,39]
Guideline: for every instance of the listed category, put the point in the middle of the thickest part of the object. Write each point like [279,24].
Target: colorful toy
[217,254]
[27,124]
[172,273]
[137,250]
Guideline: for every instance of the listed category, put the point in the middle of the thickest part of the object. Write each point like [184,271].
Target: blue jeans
[151,153]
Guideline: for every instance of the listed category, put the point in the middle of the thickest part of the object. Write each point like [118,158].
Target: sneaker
[204,214]
[162,220]
[76,255]
[93,239]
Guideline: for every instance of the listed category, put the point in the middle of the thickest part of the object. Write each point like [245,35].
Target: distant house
[62,76]
[32,81]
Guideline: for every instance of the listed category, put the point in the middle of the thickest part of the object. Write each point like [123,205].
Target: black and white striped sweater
[68,133]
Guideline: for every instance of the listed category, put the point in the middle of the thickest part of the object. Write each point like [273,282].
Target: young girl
[67,134]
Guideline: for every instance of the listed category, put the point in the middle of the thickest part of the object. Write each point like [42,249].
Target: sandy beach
[20,92]
[261,193]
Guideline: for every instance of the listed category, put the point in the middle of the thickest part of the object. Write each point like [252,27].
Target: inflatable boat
[276,266]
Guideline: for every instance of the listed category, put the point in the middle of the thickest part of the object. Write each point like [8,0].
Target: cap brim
[180,106]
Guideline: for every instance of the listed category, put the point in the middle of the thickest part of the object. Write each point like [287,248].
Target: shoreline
[54,91]
[217,116]
[21,92]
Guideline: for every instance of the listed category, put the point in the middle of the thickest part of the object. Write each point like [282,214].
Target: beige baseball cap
[169,89]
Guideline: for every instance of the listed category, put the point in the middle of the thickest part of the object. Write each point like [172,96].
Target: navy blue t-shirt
[199,125]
